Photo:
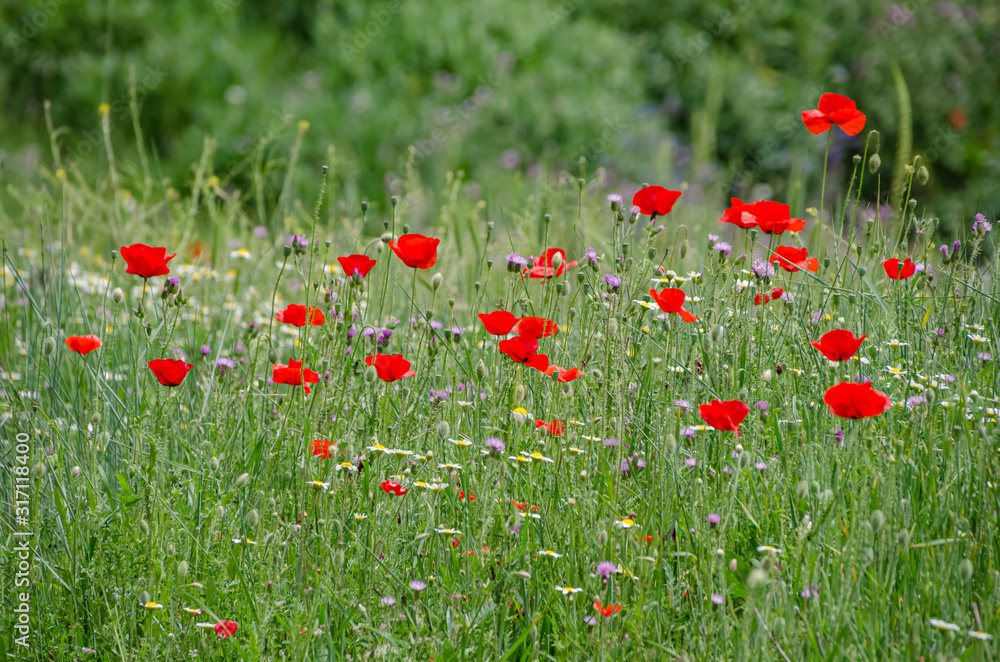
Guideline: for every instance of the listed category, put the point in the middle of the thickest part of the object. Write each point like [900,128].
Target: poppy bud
[778,626]
[117,295]
[767,376]
[862,270]
[877,520]
[597,375]
[684,249]
[519,392]
[738,449]
[756,579]
[923,175]
[75,471]
[220,511]
[213,464]
[182,569]
[903,539]
[379,246]
[144,527]
[364,206]
[670,444]
[386,237]
[912,204]
[253,518]
[745,460]
[442,429]
[49,346]
[857,159]
[242,480]
[801,489]
[480,370]
[436,281]
[826,262]
[874,163]
[612,326]
[733,565]
[144,597]
[370,374]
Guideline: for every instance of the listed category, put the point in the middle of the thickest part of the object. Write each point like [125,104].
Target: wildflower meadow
[570,422]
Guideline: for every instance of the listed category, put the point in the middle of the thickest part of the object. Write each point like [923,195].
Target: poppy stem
[822,191]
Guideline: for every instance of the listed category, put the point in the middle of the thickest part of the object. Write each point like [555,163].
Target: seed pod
[778,626]
[877,520]
[756,579]
[965,570]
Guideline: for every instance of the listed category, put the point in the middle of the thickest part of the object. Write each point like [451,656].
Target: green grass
[137,490]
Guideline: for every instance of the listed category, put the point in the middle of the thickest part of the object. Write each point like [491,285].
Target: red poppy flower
[849,400]
[762,298]
[899,269]
[146,261]
[555,428]
[499,322]
[671,300]
[461,496]
[293,374]
[793,259]
[655,200]
[321,448]
[295,315]
[392,487]
[226,628]
[83,344]
[607,610]
[169,372]
[524,349]
[545,267]
[390,367]
[771,217]
[739,215]
[564,375]
[537,327]
[724,415]
[416,251]
[839,344]
[359,263]
[521,505]
[834,109]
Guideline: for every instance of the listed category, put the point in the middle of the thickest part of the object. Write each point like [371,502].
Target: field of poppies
[585,423]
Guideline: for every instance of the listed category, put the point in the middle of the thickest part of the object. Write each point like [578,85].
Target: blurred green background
[706,92]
